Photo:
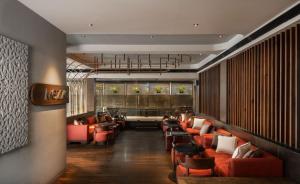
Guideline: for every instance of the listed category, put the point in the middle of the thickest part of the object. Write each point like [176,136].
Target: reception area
[152,92]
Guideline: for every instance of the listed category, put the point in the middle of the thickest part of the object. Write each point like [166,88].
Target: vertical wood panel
[209,89]
[263,88]
[297,85]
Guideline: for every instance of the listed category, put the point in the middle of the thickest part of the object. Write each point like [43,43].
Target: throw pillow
[198,123]
[226,144]
[183,117]
[189,123]
[257,154]
[214,142]
[204,129]
[75,122]
[241,150]
[247,155]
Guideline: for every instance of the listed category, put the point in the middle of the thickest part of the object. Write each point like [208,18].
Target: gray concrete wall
[45,155]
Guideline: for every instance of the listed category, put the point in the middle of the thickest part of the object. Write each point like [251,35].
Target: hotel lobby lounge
[151,92]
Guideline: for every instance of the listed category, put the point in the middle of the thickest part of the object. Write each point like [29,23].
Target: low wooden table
[232,180]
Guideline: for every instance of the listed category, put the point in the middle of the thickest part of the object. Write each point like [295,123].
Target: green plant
[114,89]
[136,89]
[158,89]
[181,89]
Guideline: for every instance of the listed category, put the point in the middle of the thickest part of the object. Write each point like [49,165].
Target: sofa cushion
[241,150]
[214,142]
[223,132]
[197,139]
[204,129]
[226,144]
[76,122]
[198,123]
[222,168]
[257,154]
[192,131]
[209,152]
[247,155]
[184,117]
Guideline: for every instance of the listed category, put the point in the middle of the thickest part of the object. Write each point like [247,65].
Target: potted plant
[181,89]
[114,89]
[136,89]
[158,89]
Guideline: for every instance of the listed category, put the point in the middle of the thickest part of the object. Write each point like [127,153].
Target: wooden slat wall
[209,89]
[263,88]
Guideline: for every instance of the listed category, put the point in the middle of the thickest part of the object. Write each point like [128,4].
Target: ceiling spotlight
[220,36]
[91,25]
[196,25]
[200,54]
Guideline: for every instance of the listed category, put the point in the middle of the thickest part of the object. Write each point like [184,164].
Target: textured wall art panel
[13,94]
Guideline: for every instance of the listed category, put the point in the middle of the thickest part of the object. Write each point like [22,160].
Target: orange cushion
[192,131]
[209,152]
[223,132]
[222,168]
[198,139]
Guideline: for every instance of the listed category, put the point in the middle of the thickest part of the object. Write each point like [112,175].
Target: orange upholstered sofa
[81,133]
[265,166]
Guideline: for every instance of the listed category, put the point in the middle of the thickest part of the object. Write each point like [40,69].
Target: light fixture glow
[196,25]
[220,36]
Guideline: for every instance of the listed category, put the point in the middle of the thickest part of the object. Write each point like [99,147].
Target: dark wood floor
[137,156]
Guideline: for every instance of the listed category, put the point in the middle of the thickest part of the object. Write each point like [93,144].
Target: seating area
[96,129]
[222,153]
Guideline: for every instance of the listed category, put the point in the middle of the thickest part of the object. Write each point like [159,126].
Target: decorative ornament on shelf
[181,89]
[114,89]
[158,89]
[136,89]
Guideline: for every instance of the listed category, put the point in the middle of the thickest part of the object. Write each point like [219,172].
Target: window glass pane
[182,89]
[114,89]
[113,101]
[137,88]
[144,98]
[181,101]
[131,101]
[159,88]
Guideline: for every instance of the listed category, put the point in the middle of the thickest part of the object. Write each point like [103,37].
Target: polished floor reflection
[137,156]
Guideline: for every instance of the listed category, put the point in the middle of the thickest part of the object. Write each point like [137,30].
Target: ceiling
[157,16]
[75,39]
[156,27]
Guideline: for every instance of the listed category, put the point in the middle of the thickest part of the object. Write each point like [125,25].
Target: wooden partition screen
[263,88]
[209,89]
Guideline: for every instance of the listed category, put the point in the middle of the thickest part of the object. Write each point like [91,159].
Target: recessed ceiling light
[91,25]
[196,25]
[220,36]
[200,54]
